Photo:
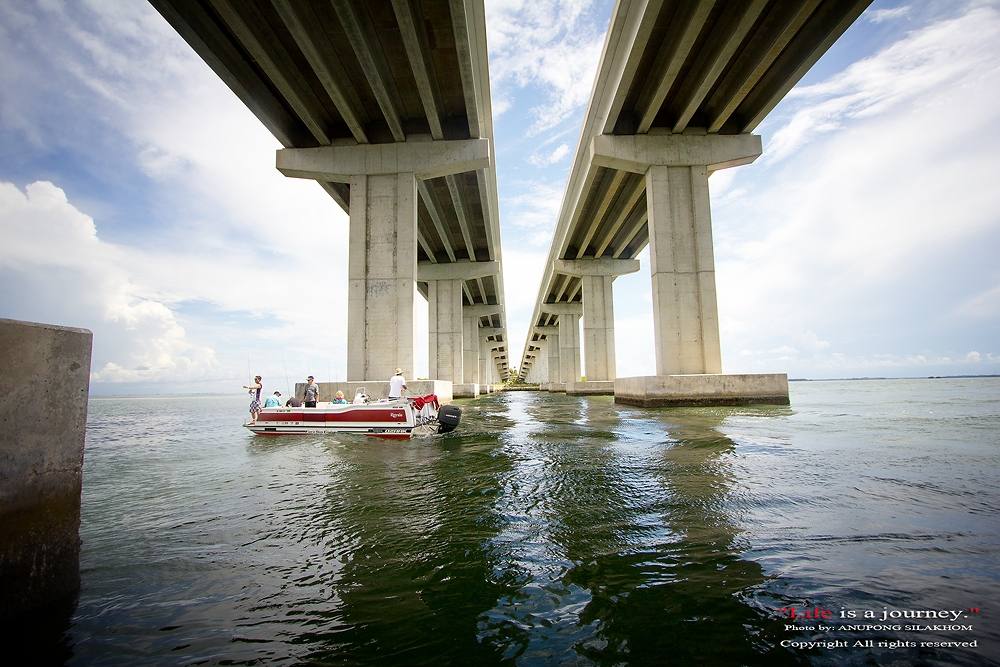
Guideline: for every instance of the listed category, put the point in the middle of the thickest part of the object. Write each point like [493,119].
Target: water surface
[546,530]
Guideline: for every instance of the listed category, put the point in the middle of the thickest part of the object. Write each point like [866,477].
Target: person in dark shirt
[293,402]
[311,393]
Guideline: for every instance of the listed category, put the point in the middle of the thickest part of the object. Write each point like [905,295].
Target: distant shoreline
[856,379]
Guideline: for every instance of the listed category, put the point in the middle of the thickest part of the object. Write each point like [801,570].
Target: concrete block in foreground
[43,409]
[591,388]
[377,389]
[693,390]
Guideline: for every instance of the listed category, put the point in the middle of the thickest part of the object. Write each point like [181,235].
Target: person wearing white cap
[397,384]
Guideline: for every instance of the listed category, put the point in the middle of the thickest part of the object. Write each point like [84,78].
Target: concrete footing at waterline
[377,389]
[43,410]
[466,390]
[703,390]
[591,388]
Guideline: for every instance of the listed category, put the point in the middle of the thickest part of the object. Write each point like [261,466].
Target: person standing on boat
[311,393]
[254,398]
[273,401]
[397,384]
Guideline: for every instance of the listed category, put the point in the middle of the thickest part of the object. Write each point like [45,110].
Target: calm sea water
[547,530]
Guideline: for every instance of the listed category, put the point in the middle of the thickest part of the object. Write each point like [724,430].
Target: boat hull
[386,419]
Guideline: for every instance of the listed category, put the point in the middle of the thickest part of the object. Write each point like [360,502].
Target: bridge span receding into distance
[385,104]
[679,89]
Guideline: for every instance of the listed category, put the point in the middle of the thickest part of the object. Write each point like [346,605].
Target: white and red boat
[390,418]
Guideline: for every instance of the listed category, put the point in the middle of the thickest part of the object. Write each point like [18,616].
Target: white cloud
[982,305]
[882,15]
[79,279]
[534,212]
[904,77]
[558,154]
[550,44]
[238,237]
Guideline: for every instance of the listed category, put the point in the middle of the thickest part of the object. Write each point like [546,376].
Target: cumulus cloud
[76,278]
[262,258]
[558,154]
[552,45]
[910,72]
[534,210]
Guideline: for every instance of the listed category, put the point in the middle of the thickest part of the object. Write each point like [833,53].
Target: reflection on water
[547,530]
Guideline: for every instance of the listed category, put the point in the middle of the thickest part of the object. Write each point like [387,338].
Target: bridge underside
[343,74]
[679,88]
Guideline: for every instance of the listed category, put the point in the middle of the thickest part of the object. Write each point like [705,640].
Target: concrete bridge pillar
[476,355]
[382,262]
[382,268]
[550,350]
[569,349]
[445,360]
[485,362]
[453,327]
[596,277]
[569,341]
[471,381]
[682,266]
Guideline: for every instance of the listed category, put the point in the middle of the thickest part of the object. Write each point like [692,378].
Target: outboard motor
[448,418]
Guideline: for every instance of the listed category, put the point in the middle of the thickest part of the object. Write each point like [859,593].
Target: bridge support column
[682,268]
[444,340]
[485,361]
[382,270]
[470,379]
[569,350]
[553,358]
[596,277]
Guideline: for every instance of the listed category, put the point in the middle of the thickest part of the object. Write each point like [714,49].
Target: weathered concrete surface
[470,350]
[377,389]
[569,348]
[466,390]
[690,390]
[444,322]
[382,273]
[591,388]
[682,270]
[43,413]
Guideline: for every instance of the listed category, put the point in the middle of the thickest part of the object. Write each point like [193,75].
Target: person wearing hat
[273,401]
[397,384]
[311,393]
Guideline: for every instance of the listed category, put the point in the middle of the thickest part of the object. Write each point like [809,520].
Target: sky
[139,199]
